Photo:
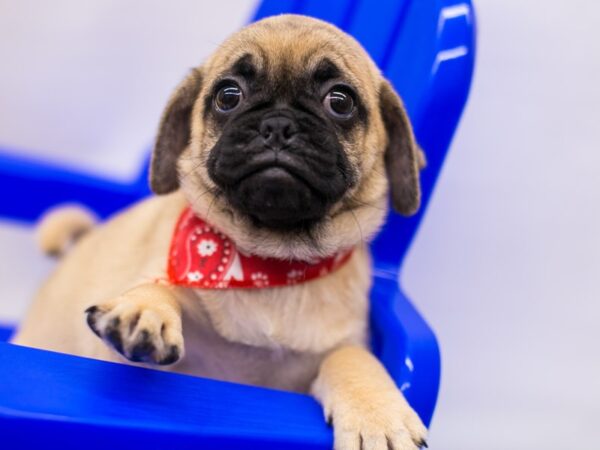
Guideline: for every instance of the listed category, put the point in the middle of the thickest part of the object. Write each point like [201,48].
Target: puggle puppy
[287,141]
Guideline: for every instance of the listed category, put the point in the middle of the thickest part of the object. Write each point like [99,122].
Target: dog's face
[280,158]
[283,138]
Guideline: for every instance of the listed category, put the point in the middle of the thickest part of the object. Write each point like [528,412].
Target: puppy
[287,141]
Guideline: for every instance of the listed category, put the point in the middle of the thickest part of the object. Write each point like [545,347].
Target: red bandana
[203,257]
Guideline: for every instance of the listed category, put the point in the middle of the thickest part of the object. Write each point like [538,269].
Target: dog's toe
[352,439]
[142,347]
[386,422]
[172,356]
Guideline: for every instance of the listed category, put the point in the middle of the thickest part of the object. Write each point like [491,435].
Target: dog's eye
[228,98]
[339,103]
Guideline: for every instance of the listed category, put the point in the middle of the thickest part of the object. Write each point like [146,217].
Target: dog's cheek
[193,176]
[354,155]
[371,143]
[205,133]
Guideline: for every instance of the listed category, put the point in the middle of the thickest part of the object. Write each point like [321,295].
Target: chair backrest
[426,49]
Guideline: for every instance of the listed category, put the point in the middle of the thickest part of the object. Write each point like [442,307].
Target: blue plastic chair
[426,48]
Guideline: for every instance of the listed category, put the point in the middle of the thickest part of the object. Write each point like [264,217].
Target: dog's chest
[287,328]
[210,355]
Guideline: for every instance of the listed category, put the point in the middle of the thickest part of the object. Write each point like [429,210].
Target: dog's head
[283,140]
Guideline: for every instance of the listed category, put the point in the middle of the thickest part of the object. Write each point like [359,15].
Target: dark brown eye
[228,98]
[339,103]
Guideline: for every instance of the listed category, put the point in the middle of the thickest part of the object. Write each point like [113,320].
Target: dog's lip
[275,172]
[275,160]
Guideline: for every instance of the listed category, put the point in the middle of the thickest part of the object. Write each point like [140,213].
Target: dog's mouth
[278,196]
[276,163]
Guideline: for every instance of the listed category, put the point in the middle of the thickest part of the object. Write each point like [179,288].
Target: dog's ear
[174,134]
[403,158]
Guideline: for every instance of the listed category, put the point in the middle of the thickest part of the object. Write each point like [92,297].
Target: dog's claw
[91,319]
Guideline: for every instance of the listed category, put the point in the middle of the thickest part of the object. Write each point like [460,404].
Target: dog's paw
[138,330]
[381,422]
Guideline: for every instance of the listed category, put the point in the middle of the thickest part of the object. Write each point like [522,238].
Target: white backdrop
[506,264]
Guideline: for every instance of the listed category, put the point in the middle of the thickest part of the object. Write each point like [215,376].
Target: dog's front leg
[143,324]
[362,402]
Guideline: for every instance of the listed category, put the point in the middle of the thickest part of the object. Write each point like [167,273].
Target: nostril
[266,131]
[287,131]
[277,130]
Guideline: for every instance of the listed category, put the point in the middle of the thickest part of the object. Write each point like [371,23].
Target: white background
[506,266]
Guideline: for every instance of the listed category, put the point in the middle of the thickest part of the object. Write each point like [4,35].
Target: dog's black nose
[277,131]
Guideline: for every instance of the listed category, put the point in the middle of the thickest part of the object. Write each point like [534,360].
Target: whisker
[378,172]
[312,240]
[358,225]
[369,205]
[210,206]
[202,194]
[190,158]
[189,172]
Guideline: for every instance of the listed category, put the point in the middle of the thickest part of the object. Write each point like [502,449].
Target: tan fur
[351,380]
[61,227]
[284,337]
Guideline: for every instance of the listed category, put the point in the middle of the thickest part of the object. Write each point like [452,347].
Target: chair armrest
[405,344]
[39,185]
[6,332]
[71,402]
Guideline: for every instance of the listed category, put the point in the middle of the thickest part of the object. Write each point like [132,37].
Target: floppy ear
[173,135]
[402,156]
